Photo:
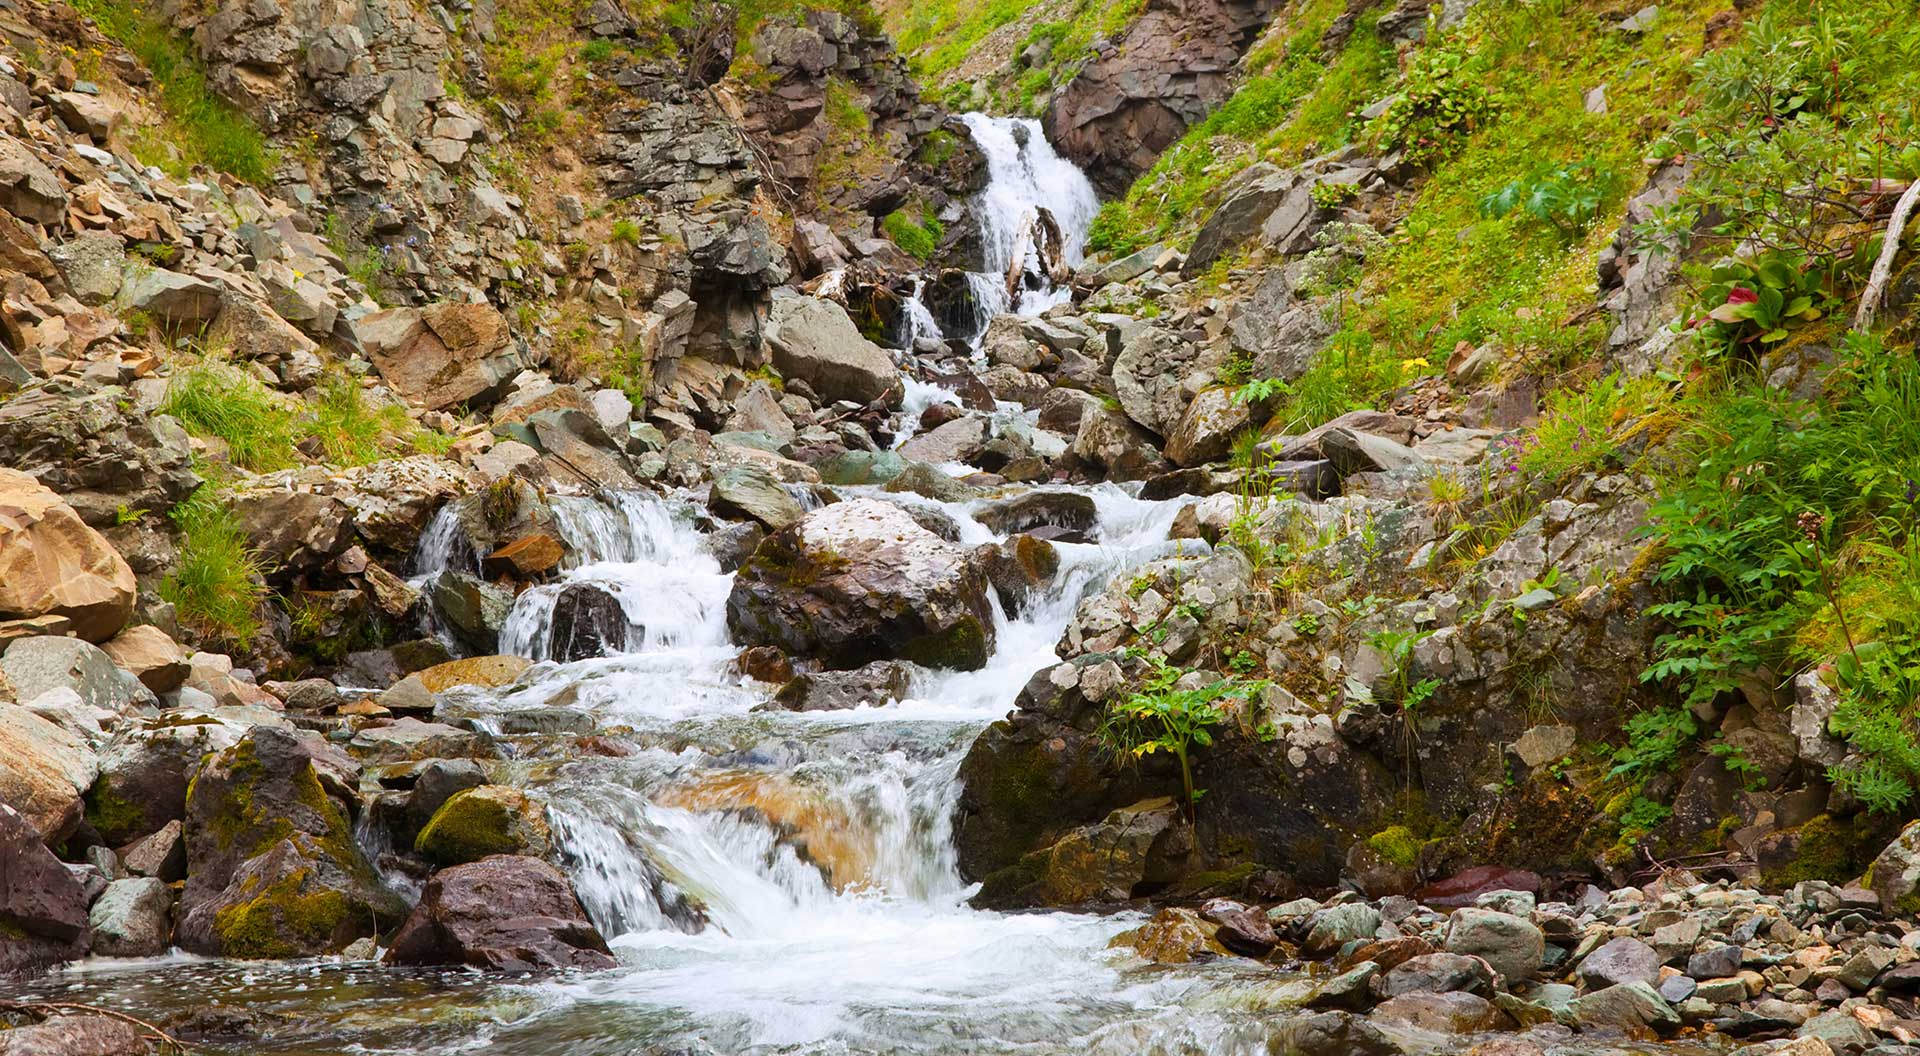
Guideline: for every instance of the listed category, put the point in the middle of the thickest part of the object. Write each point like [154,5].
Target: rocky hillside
[1536,382]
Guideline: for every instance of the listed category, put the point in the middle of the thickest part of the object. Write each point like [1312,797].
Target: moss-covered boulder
[272,866]
[477,822]
[861,581]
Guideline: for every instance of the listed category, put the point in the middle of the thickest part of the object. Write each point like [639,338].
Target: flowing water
[772,882]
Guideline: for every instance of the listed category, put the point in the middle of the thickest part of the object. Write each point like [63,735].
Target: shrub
[919,239]
[214,399]
[1567,197]
[216,586]
[1159,717]
[1441,101]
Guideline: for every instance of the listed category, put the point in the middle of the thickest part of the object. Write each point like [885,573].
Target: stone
[1174,936]
[393,500]
[1619,961]
[1512,945]
[1895,874]
[442,355]
[1718,962]
[757,410]
[144,773]
[161,854]
[1208,429]
[928,482]
[1106,861]
[42,906]
[75,1035]
[44,664]
[959,440]
[530,555]
[814,340]
[750,492]
[44,770]
[1839,1031]
[1445,1013]
[482,821]
[1108,440]
[587,622]
[171,298]
[1072,512]
[28,189]
[1329,1034]
[1335,926]
[486,672]
[1352,989]
[1623,1006]
[502,913]
[860,581]
[881,682]
[273,867]
[52,563]
[295,529]
[1352,452]
[1439,973]
[1545,745]
[133,918]
[152,657]
[92,264]
[408,739]
[472,610]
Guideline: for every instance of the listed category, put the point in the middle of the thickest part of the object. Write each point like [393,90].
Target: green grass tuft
[215,588]
[215,399]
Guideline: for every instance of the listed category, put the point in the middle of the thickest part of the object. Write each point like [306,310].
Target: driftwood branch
[46,1009]
[1883,268]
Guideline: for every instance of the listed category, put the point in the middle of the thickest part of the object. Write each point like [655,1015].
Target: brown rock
[155,659]
[52,563]
[441,355]
[504,913]
[87,1035]
[527,556]
[487,672]
[43,910]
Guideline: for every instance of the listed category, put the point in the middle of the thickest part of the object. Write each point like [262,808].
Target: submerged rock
[860,581]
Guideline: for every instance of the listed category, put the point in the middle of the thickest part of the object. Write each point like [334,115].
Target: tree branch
[1883,268]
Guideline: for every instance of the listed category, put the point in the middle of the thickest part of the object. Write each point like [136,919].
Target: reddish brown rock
[51,563]
[155,659]
[505,913]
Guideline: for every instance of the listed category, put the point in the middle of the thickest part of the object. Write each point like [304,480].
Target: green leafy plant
[1566,197]
[1441,101]
[918,238]
[1755,302]
[1332,195]
[212,398]
[1161,717]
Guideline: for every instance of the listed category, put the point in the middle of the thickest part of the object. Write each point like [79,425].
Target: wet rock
[1019,567]
[586,622]
[75,1035]
[442,355]
[1071,511]
[273,867]
[1439,973]
[1620,960]
[1243,930]
[878,683]
[1449,1013]
[1335,926]
[1173,936]
[1512,945]
[486,672]
[753,493]
[481,821]
[474,611]
[959,440]
[814,340]
[929,482]
[533,554]
[42,906]
[1106,861]
[133,918]
[501,913]
[1352,989]
[1329,1034]
[1106,439]
[859,581]
[409,739]
[51,563]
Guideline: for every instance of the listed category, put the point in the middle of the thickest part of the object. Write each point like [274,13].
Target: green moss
[1215,881]
[466,828]
[959,648]
[283,920]
[116,818]
[1397,844]
[1829,849]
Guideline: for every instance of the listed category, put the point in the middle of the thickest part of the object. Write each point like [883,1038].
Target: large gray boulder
[861,581]
[145,770]
[44,769]
[750,492]
[133,918]
[814,340]
[1511,944]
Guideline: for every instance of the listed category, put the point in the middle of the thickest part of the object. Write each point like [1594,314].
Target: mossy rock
[490,819]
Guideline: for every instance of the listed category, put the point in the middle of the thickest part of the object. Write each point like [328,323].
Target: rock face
[1139,93]
[273,869]
[587,622]
[860,581]
[43,910]
[814,340]
[99,459]
[442,355]
[51,563]
[44,768]
[502,913]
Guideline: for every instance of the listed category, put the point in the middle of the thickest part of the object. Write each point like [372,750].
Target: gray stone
[1624,1006]
[814,340]
[1513,946]
[92,264]
[133,918]
[1336,926]
[1621,960]
[747,491]
[28,189]
[170,297]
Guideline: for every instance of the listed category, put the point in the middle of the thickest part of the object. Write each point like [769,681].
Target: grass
[351,431]
[200,128]
[919,238]
[212,398]
[216,587]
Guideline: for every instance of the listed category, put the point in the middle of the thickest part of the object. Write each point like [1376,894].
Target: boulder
[51,563]
[1623,1006]
[76,1035]
[750,492]
[487,672]
[28,189]
[878,683]
[959,440]
[83,445]
[481,821]
[393,500]
[1109,441]
[273,867]
[442,355]
[926,481]
[530,555]
[1452,1013]
[1511,944]
[471,610]
[1895,874]
[1352,451]
[44,770]
[152,657]
[815,341]
[501,913]
[757,410]
[586,622]
[43,664]
[43,909]
[161,854]
[1108,860]
[1439,973]
[92,264]
[144,773]
[408,739]
[1206,432]
[133,918]
[860,581]
[1621,960]
[1247,201]
[295,530]
[171,298]
[1329,1034]
[1070,511]
[1174,936]
[1335,926]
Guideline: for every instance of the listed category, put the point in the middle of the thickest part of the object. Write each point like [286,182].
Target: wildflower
[1810,524]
